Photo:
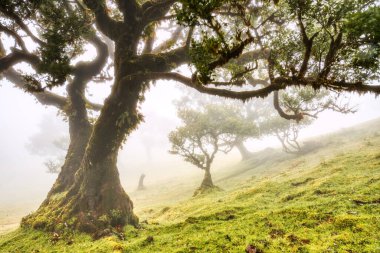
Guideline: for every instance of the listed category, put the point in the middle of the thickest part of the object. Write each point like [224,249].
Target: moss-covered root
[59,215]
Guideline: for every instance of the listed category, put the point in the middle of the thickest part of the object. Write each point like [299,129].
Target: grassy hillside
[327,200]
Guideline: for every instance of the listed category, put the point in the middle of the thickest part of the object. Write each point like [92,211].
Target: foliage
[215,42]
[363,33]
[63,33]
[343,37]
[327,21]
[210,130]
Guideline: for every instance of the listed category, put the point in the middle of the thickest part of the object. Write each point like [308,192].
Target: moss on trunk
[96,200]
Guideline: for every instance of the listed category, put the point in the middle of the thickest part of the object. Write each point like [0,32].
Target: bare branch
[12,33]
[18,56]
[45,97]
[131,10]
[335,44]
[83,73]
[277,84]
[251,56]
[308,43]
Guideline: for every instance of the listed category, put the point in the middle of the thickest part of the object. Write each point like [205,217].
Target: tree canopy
[205,132]
[331,44]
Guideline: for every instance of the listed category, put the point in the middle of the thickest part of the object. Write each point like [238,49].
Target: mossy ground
[301,204]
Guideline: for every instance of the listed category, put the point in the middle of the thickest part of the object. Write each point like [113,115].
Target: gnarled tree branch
[131,10]
[276,103]
[18,56]
[111,28]
[45,97]
[156,10]
[12,33]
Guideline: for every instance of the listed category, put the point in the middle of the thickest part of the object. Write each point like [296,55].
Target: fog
[28,130]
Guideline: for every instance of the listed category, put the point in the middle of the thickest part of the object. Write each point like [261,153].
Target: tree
[227,44]
[298,106]
[286,132]
[306,103]
[206,132]
[50,144]
[141,186]
[251,111]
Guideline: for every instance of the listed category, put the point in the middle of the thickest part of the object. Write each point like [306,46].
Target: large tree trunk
[97,200]
[245,153]
[76,111]
[97,190]
[78,142]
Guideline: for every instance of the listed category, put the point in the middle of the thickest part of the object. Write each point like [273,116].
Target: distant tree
[249,111]
[286,131]
[141,186]
[299,107]
[51,143]
[307,104]
[54,165]
[206,132]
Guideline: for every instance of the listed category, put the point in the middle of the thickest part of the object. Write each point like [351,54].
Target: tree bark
[73,159]
[207,180]
[97,189]
[76,111]
[245,154]
[96,199]
[97,195]
[207,183]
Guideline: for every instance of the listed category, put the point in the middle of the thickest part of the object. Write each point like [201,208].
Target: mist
[23,173]
[189,126]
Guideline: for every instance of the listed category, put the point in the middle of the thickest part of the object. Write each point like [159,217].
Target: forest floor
[325,200]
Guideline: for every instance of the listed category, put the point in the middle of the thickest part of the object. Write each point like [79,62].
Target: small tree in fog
[297,107]
[206,132]
[307,104]
[141,186]
[286,131]
[50,147]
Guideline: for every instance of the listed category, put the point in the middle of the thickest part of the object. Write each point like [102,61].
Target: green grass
[296,204]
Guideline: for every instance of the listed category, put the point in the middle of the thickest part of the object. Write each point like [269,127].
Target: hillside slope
[325,201]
